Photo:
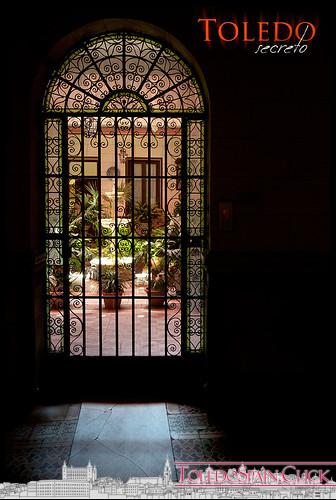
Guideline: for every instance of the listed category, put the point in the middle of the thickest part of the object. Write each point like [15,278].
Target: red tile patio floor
[161,319]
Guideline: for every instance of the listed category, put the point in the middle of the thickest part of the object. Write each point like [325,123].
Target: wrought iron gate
[126,212]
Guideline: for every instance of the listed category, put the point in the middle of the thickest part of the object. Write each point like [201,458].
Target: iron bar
[149,172]
[184,238]
[100,320]
[83,232]
[65,239]
[116,230]
[166,236]
[133,243]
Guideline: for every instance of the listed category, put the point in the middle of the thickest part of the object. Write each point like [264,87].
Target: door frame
[57,54]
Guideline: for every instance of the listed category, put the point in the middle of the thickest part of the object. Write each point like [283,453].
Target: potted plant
[157,254]
[112,288]
[143,214]
[157,291]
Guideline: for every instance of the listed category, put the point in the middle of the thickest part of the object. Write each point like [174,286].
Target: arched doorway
[126,201]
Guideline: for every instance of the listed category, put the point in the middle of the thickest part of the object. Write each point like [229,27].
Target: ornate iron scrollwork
[125,167]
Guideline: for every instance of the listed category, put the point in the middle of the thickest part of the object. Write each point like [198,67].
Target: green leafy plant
[143,212]
[125,191]
[159,283]
[89,212]
[157,291]
[157,254]
[111,283]
[124,230]
[90,252]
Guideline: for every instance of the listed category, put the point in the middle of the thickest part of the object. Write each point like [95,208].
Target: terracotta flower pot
[111,301]
[156,299]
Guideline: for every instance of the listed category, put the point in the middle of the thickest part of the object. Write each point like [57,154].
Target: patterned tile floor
[193,437]
[37,448]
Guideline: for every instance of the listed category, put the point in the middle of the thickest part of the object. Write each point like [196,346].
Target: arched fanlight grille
[125,65]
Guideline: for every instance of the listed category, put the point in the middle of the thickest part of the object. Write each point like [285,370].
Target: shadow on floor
[37,446]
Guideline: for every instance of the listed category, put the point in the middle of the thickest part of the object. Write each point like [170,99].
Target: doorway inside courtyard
[126,210]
